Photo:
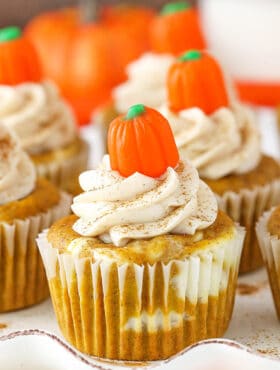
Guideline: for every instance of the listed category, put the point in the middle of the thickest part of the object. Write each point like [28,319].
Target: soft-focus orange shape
[196,80]
[259,93]
[176,29]
[52,34]
[88,60]
[141,141]
[19,61]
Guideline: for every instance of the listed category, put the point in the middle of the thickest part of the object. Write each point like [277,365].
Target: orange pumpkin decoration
[176,29]
[196,80]
[141,141]
[19,61]
[87,60]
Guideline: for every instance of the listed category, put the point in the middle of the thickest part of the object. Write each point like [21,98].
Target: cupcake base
[245,198]
[22,277]
[63,166]
[103,307]
[270,248]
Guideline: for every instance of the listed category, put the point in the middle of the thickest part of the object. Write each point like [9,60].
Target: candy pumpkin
[19,61]
[141,141]
[196,80]
[176,29]
[87,59]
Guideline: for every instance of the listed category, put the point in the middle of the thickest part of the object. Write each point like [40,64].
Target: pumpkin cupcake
[219,136]
[175,29]
[268,232]
[147,258]
[33,109]
[27,206]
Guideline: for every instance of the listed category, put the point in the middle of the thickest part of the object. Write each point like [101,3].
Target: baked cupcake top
[142,189]
[17,172]
[211,128]
[31,108]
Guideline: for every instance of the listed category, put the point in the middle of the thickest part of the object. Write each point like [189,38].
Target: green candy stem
[190,55]
[175,7]
[9,33]
[135,111]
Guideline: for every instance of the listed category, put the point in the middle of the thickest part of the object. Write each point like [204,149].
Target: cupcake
[219,136]
[34,110]
[175,29]
[146,258]
[27,206]
[268,232]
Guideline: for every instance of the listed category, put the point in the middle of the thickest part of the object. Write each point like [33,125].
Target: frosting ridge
[17,172]
[119,209]
[37,115]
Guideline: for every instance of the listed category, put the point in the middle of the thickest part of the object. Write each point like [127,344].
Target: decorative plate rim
[75,353]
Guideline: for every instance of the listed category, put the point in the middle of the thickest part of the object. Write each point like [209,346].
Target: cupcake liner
[22,276]
[142,312]
[270,248]
[65,174]
[245,208]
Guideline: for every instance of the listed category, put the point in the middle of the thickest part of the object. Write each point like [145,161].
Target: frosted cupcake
[27,206]
[34,110]
[147,258]
[219,136]
[175,29]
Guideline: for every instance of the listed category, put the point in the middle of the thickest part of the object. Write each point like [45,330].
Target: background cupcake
[147,259]
[33,109]
[219,136]
[173,30]
[268,231]
[27,206]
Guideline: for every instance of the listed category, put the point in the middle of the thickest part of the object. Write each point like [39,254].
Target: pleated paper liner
[65,173]
[245,208]
[270,248]
[22,277]
[142,312]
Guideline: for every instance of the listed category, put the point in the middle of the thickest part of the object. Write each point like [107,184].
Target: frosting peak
[17,172]
[225,142]
[146,82]
[37,115]
[118,209]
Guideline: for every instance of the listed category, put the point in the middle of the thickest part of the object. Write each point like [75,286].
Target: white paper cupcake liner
[270,248]
[245,208]
[22,276]
[102,308]
[64,174]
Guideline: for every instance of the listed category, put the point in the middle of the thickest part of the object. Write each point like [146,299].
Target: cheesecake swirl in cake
[118,209]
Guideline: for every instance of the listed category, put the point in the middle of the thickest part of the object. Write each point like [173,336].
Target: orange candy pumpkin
[176,29]
[141,141]
[196,80]
[18,59]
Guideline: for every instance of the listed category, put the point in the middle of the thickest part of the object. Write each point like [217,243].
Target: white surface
[244,34]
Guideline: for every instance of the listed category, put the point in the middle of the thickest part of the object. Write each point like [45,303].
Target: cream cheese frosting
[146,82]
[118,209]
[225,142]
[17,172]
[37,115]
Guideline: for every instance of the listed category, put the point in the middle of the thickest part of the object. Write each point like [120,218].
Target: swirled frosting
[145,84]
[17,172]
[37,115]
[118,209]
[226,142]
